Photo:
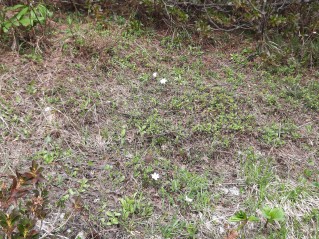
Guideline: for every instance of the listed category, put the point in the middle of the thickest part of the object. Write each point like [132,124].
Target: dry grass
[90,111]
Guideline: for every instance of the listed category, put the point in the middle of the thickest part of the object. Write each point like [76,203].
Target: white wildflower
[187,199]
[163,81]
[154,74]
[47,109]
[234,191]
[216,219]
[155,176]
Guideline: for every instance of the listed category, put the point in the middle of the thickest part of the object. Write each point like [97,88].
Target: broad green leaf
[277,214]
[117,214]
[33,16]
[273,214]
[16,23]
[114,220]
[7,26]
[22,13]
[43,10]
[109,214]
[25,22]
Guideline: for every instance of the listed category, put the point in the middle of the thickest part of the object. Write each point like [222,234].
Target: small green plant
[135,205]
[239,59]
[135,27]
[273,215]
[47,156]
[113,218]
[83,185]
[23,204]
[242,218]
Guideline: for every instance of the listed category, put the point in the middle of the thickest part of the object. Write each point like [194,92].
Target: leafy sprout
[243,218]
[22,205]
[273,214]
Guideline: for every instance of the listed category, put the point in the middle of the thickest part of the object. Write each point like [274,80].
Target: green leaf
[114,221]
[22,13]
[7,26]
[43,10]
[33,17]
[266,212]
[16,23]
[277,214]
[109,214]
[25,22]
[238,217]
[273,214]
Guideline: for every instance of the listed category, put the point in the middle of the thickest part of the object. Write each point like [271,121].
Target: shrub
[283,28]
[19,22]
[23,203]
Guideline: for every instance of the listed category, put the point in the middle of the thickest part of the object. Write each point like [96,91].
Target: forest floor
[173,154]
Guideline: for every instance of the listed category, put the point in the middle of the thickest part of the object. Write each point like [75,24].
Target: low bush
[283,29]
[23,204]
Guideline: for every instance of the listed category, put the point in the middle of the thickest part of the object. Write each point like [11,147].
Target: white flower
[314,32]
[154,74]
[187,199]
[155,176]
[221,230]
[47,109]
[216,219]
[163,81]
[234,191]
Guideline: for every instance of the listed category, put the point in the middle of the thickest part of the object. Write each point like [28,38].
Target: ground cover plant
[143,136]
